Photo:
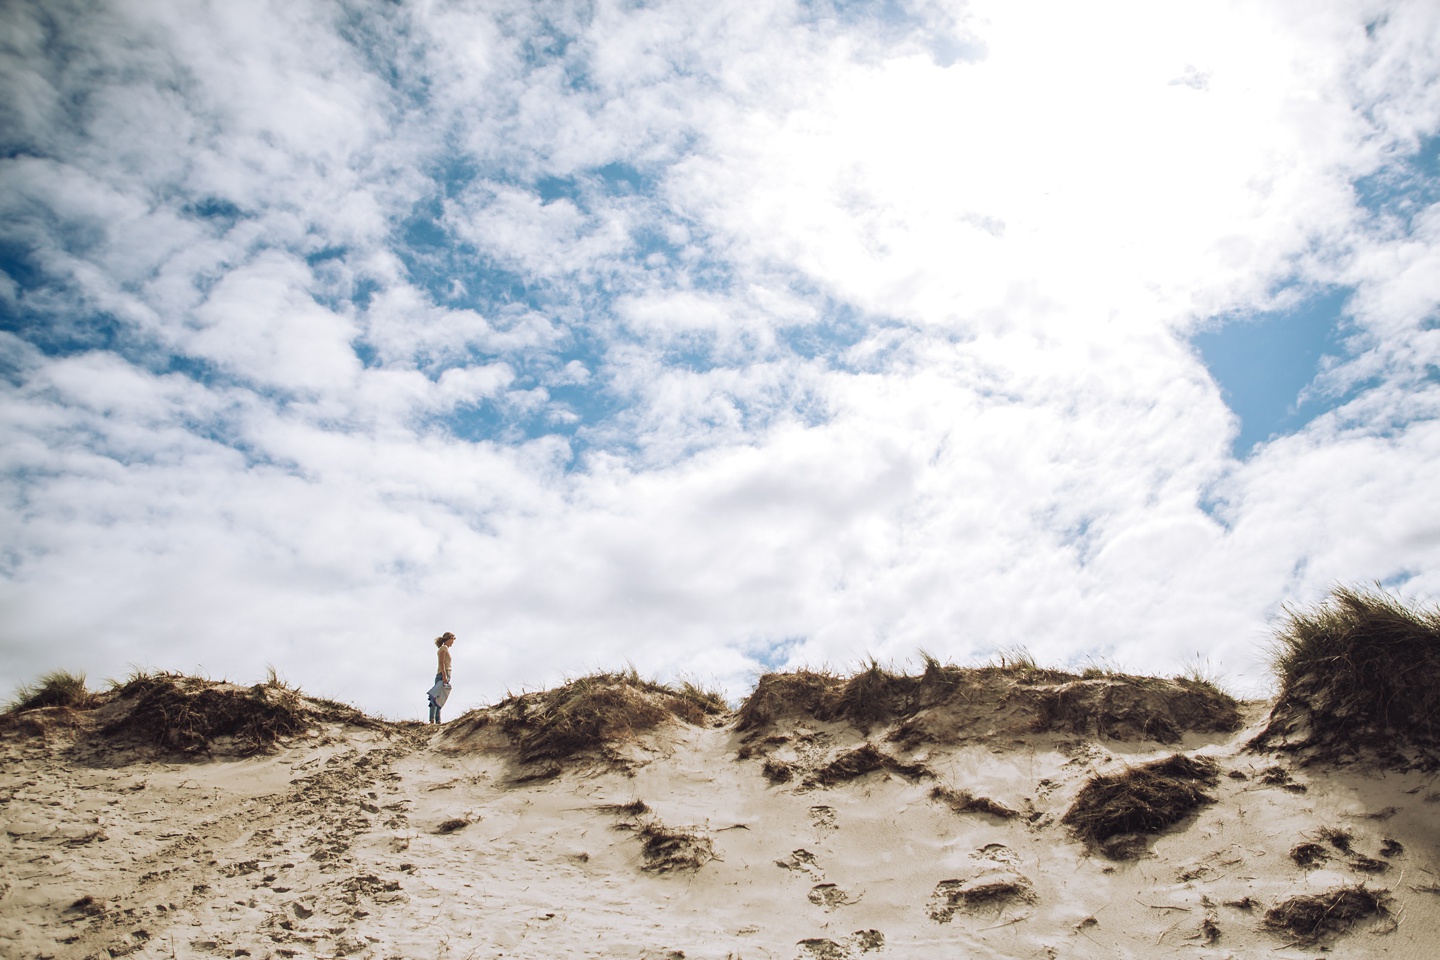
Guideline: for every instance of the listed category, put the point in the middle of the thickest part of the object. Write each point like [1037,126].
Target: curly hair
[440,640]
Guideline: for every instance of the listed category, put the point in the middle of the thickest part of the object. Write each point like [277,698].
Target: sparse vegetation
[58,688]
[1359,674]
[1016,658]
[1309,918]
[1278,776]
[1140,800]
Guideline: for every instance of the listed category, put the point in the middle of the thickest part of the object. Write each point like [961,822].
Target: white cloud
[877,347]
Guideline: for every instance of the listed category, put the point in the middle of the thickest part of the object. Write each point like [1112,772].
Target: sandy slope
[344,843]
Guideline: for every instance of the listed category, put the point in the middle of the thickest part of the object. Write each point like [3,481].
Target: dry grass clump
[1309,918]
[963,801]
[668,849]
[1359,673]
[188,714]
[1140,800]
[594,713]
[866,758]
[58,688]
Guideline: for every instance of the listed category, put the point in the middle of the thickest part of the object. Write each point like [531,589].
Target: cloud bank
[706,337]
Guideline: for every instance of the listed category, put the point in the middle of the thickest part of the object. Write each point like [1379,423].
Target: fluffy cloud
[707,336]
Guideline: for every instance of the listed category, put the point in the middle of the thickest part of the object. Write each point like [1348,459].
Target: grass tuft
[58,688]
[1017,659]
[1358,672]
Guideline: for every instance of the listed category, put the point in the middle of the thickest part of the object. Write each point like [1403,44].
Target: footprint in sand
[802,860]
[829,896]
[823,818]
[823,948]
[995,853]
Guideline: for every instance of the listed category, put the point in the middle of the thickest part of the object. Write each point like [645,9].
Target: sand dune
[935,826]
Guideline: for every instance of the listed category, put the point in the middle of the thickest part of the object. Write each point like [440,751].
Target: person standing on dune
[441,691]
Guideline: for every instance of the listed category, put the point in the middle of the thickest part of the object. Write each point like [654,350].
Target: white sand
[330,848]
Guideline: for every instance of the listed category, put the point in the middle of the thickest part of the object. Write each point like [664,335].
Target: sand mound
[1360,680]
[41,721]
[590,717]
[415,841]
[949,704]
[188,715]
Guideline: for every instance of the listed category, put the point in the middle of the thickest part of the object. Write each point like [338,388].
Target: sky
[708,337]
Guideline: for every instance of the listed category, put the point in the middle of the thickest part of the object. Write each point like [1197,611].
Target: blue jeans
[435,707]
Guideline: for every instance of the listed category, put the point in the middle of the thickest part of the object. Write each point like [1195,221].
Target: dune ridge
[999,811]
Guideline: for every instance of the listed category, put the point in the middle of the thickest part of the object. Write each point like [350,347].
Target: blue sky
[1263,361]
[708,337]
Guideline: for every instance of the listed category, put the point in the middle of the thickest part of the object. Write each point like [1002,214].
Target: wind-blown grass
[58,688]
[1359,671]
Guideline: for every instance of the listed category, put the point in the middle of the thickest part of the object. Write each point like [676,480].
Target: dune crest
[981,812]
